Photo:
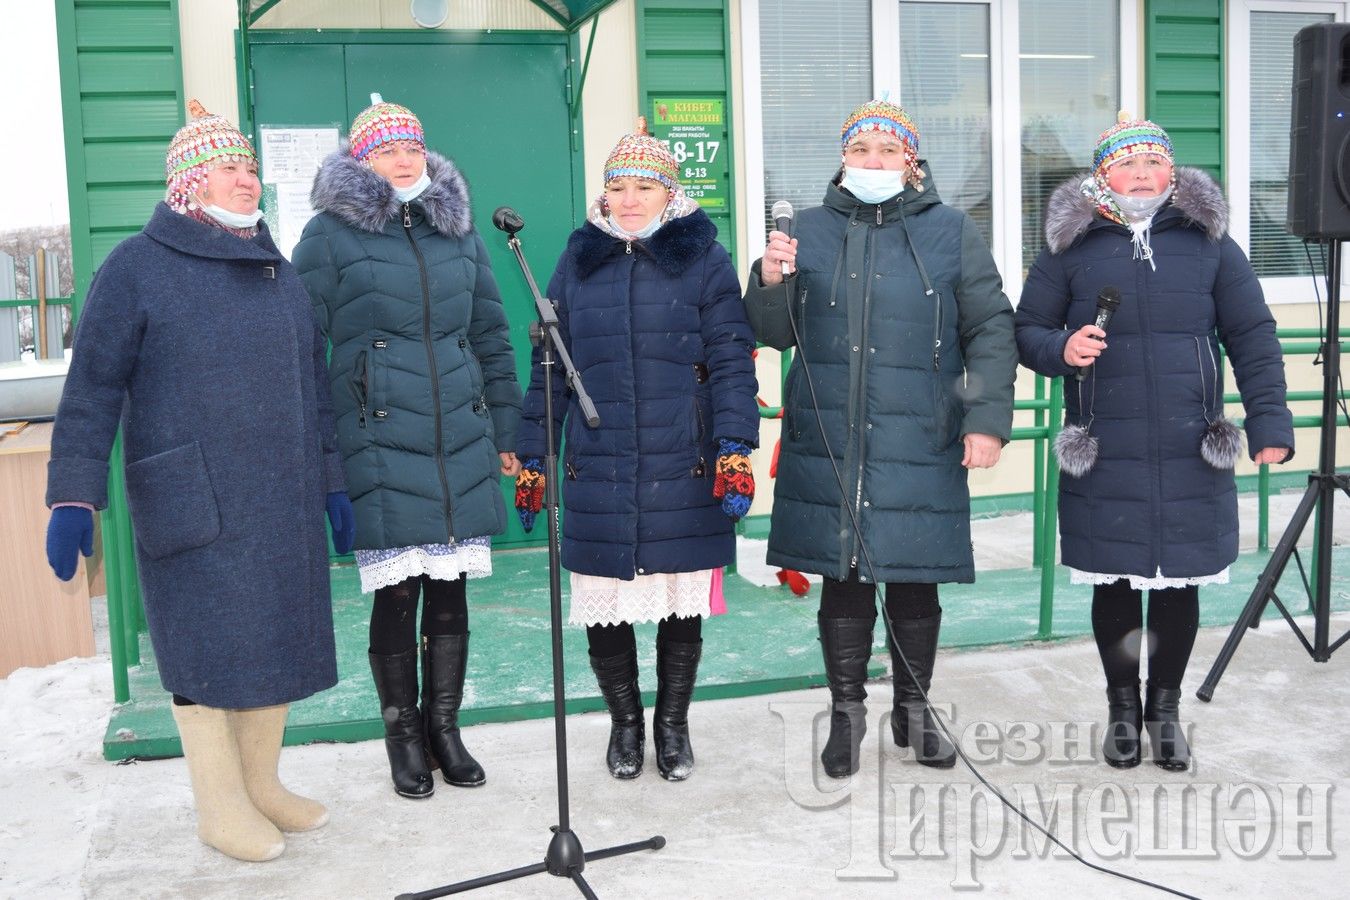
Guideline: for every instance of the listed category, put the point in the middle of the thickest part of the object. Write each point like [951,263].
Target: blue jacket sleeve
[107,343]
[531,440]
[1041,315]
[1247,331]
[313,261]
[728,344]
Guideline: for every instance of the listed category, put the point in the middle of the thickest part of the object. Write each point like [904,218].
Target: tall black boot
[444,660]
[676,669]
[846,645]
[396,684]
[1166,738]
[1125,723]
[912,722]
[618,680]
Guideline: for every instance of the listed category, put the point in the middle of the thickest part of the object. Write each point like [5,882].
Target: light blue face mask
[873,185]
[414,190]
[233,219]
[647,230]
[1138,208]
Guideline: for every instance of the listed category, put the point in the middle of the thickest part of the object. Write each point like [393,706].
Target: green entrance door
[496,106]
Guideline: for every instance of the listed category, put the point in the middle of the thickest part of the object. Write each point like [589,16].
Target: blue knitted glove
[530,490]
[342,519]
[735,481]
[70,531]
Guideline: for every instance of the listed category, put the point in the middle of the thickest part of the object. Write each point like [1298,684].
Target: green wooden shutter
[122,101]
[683,54]
[1183,81]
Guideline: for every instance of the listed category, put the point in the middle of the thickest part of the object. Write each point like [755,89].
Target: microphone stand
[565,857]
[1317,505]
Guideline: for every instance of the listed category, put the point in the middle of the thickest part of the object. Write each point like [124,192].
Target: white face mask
[414,190]
[647,230]
[1138,208]
[233,219]
[873,185]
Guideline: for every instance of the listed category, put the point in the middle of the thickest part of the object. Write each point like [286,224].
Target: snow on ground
[753,821]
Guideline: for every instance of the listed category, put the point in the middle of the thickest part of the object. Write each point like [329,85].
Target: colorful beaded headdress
[644,156]
[1129,138]
[884,117]
[383,123]
[204,142]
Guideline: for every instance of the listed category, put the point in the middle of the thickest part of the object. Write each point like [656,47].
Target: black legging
[1117,624]
[393,618]
[611,640]
[856,600]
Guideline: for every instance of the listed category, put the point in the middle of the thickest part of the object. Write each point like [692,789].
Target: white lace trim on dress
[475,560]
[1158,582]
[647,598]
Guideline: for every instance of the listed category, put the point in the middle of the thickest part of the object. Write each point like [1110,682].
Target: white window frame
[1238,113]
[1005,112]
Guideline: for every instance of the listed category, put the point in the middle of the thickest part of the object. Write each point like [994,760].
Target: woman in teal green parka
[424,387]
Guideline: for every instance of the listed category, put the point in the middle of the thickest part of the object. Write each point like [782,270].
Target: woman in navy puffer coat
[424,382]
[649,306]
[1148,500]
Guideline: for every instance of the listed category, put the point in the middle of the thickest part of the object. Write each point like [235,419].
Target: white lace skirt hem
[647,598]
[1144,583]
[442,562]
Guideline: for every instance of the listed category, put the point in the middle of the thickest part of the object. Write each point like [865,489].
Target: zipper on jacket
[433,371]
[878,213]
[363,395]
[868,268]
[937,329]
[628,247]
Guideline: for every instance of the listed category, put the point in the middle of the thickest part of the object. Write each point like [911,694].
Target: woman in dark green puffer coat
[424,387]
[899,319]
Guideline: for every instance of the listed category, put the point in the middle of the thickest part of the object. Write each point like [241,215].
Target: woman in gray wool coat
[1148,501]
[424,384]
[197,336]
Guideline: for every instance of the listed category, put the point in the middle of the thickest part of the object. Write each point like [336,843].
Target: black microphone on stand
[507,219]
[1108,301]
[782,220]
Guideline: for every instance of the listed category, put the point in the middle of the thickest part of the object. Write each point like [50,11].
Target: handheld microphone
[1108,301]
[782,220]
[507,219]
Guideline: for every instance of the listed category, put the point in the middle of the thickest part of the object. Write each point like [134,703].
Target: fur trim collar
[1197,198]
[355,195]
[674,247]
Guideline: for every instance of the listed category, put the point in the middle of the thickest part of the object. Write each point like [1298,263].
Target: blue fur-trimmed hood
[362,199]
[1197,197]
[674,247]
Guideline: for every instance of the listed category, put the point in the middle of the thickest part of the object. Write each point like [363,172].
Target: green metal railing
[126,618]
[1047,407]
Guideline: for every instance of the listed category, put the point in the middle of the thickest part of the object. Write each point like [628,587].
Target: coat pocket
[173,506]
[947,417]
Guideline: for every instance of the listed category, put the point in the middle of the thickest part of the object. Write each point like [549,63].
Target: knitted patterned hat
[204,142]
[1129,137]
[642,155]
[383,123]
[882,116]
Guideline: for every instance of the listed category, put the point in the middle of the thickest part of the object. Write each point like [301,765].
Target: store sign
[695,130]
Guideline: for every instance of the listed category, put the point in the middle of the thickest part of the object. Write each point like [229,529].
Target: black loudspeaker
[1319,134]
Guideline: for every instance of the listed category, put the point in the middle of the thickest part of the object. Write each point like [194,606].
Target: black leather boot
[444,660]
[676,669]
[1166,738]
[912,722]
[1125,724]
[846,645]
[396,684]
[618,680]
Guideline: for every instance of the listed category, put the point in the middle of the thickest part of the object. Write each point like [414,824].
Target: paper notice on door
[290,158]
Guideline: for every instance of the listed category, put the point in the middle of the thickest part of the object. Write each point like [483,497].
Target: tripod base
[565,859]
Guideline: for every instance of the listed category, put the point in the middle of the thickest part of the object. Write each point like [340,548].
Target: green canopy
[570,14]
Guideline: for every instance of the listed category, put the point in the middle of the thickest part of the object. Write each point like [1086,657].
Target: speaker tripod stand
[1318,499]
